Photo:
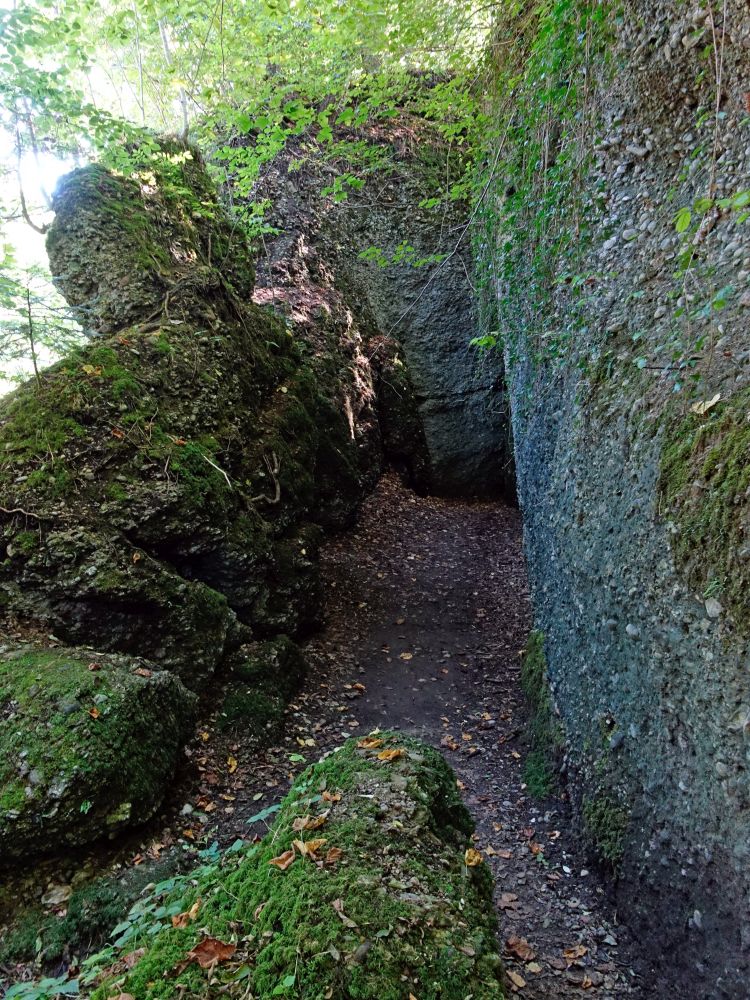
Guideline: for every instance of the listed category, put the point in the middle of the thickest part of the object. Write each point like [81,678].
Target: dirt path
[427,611]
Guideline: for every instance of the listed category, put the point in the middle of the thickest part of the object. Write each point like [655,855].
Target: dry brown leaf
[518,981]
[210,951]
[283,861]
[183,919]
[142,671]
[307,848]
[370,743]
[391,754]
[133,957]
[574,953]
[331,796]
[94,712]
[334,854]
[472,857]
[520,947]
[508,900]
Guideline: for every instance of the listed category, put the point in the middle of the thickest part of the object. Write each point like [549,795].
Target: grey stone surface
[634,651]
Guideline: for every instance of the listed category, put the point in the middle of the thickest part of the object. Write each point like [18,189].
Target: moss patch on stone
[264,677]
[705,489]
[87,743]
[397,911]
[605,822]
[541,766]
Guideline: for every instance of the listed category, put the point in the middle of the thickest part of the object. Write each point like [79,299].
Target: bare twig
[218,469]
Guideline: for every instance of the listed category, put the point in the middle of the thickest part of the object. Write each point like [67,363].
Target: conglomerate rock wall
[633,465]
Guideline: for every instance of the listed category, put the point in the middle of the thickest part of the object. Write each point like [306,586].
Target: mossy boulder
[88,742]
[361,889]
[264,677]
[166,477]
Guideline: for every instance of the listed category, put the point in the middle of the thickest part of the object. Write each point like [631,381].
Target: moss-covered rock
[542,763]
[264,677]
[377,901]
[165,477]
[705,490]
[88,742]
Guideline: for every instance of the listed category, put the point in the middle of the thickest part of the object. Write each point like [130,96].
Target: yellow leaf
[518,981]
[391,754]
[307,848]
[283,861]
[370,743]
[406,656]
[472,857]
[705,405]
[232,764]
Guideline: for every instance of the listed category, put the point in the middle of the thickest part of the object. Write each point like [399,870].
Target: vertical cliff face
[629,361]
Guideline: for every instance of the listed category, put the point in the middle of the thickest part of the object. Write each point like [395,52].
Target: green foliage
[530,238]
[396,866]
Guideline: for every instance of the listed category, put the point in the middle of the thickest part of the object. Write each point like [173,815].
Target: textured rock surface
[87,745]
[647,655]
[370,895]
[427,309]
[163,488]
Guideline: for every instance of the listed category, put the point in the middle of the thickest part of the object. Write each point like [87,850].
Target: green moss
[262,681]
[26,541]
[415,918]
[545,732]
[705,489]
[71,734]
[605,822]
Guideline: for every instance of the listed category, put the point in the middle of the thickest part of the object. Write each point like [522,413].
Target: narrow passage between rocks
[427,613]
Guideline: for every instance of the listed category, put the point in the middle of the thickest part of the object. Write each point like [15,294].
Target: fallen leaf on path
[518,981]
[283,861]
[574,953]
[370,743]
[533,967]
[391,754]
[210,952]
[406,656]
[520,947]
[508,900]
[232,764]
[472,857]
